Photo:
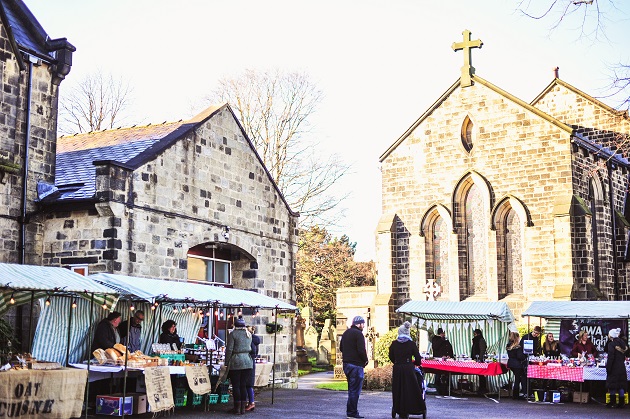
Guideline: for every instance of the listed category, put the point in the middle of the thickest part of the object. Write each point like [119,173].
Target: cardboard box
[580,397]
[139,402]
[111,405]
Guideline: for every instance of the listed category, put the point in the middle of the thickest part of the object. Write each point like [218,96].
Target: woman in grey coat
[239,363]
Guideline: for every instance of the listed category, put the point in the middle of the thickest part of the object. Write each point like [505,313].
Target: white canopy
[579,309]
[151,290]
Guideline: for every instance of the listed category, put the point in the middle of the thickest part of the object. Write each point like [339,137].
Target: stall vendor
[169,334]
[106,334]
[133,341]
[583,345]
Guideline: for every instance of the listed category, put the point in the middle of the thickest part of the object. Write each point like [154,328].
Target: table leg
[449,384]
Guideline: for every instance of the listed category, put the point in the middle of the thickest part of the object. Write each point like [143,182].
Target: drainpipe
[614,231]
[27,145]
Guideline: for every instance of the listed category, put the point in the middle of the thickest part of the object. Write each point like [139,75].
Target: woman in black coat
[407,395]
[516,363]
[616,379]
[169,334]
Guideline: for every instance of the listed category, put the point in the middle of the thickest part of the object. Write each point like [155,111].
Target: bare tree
[274,108]
[95,103]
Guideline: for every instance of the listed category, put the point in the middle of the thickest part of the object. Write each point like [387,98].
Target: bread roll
[120,348]
[112,354]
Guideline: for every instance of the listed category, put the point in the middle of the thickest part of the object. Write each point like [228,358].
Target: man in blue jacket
[355,358]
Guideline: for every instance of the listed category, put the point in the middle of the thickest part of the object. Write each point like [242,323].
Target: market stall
[566,319]
[459,319]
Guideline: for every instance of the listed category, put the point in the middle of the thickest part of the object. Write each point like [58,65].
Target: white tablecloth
[599,374]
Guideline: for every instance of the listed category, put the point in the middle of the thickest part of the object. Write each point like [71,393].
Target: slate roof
[76,154]
[25,29]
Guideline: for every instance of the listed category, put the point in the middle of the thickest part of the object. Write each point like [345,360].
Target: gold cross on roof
[467,70]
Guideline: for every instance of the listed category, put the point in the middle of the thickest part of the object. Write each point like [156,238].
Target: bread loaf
[112,354]
[100,355]
[120,348]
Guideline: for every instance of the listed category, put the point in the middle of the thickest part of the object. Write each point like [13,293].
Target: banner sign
[198,379]
[42,393]
[597,330]
[159,389]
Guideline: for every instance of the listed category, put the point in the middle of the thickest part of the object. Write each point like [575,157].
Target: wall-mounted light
[226,233]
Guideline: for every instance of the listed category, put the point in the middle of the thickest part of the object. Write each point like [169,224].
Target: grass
[336,386]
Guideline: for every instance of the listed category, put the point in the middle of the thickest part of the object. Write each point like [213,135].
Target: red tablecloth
[472,368]
[556,373]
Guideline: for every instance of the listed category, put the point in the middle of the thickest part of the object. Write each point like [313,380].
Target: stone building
[188,200]
[487,197]
[32,68]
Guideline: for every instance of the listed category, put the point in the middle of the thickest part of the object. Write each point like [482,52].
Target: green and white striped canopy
[149,289]
[458,310]
[579,309]
[19,284]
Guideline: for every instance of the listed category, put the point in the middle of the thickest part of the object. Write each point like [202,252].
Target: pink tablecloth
[472,368]
[556,373]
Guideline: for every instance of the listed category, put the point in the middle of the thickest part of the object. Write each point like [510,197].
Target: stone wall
[150,217]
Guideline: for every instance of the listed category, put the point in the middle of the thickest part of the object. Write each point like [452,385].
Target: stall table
[464,368]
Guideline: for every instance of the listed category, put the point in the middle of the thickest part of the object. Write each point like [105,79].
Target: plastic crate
[213,399]
[181,396]
[223,389]
[196,399]
[174,357]
[224,398]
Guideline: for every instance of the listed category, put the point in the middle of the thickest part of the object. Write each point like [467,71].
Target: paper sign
[198,379]
[528,346]
[159,390]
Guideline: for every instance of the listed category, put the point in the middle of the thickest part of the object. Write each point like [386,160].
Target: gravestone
[307,314]
[310,341]
[302,358]
[324,350]
[341,327]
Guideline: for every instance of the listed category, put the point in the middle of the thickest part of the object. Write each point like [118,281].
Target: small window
[80,269]
[208,270]
[467,134]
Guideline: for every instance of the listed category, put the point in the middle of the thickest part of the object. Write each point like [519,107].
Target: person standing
[516,361]
[616,379]
[551,348]
[478,353]
[407,395]
[133,341]
[441,346]
[169,334]
[534,335]
[251,405]
[239,363]
[354,354]
[583,346]
[106,334]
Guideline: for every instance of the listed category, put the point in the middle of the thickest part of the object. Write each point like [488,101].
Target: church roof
[131,147]
[487,84]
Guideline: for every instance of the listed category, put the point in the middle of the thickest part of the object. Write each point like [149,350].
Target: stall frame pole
[124,392]
[30,323]
[273,367]
[69,333]
[89,342]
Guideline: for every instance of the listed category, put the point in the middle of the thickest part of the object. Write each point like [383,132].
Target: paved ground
[308,402]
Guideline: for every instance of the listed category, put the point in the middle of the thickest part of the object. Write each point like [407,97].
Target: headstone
[325,348]
[302,358]
[307,314]
[310,341]
[341,326]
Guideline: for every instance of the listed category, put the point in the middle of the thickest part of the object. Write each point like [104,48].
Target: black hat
[239,322]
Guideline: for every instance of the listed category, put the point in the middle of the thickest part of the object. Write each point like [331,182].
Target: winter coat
[516,358]
[441,347]
[105,336]
[616,378]
[166,337]
[551,348]
[479,348]
[579,348]
[237,349]
[253,354]
[135,331]
[407,394]
[352,347]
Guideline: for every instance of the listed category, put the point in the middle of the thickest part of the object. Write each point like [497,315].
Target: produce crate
[224,398]
[213,399]
[181,396]
[174,357]
[196,399]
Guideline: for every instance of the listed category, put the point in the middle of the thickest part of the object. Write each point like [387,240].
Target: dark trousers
[483,384]
[520,379]
[239,384]
[354,375]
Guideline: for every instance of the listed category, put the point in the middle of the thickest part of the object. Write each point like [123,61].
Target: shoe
[357,416]
[250,407]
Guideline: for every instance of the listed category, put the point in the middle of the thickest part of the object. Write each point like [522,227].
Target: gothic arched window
[509,253]
[436,252]
[467,134]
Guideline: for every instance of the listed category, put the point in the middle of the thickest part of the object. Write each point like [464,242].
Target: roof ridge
[120,128]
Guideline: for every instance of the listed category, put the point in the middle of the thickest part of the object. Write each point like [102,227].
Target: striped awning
[19,284]
[168,291]
[458,310]
[579,309]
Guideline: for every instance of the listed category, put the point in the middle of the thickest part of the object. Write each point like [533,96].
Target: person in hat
[406,393]
[352,346]
[239,363]
[616,380]
[478,353]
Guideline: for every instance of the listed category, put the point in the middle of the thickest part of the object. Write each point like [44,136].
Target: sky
[379,63]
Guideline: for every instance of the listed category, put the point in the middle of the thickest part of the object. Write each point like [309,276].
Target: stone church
[186,200]
[489,198]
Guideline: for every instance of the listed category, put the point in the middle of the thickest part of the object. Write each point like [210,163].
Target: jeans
[354,375]
[520,380]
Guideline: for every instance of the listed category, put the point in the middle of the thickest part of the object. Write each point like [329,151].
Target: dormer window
[467,134]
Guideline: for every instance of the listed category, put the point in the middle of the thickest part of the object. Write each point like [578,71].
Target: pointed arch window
[436,252]
[467,134]
[596,207]
[509,253]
